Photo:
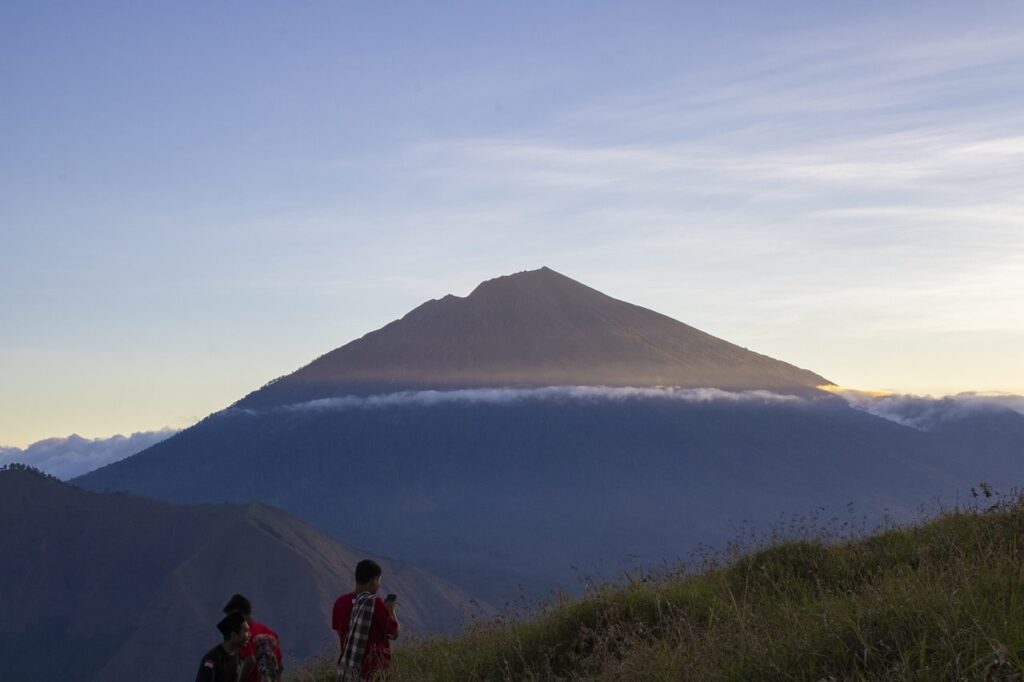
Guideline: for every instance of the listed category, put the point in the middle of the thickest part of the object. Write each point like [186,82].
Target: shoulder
[266,633]
[340,612]
[211,657]
[344,602]
[258,628]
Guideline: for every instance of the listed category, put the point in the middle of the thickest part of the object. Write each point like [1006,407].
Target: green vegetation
[938,601]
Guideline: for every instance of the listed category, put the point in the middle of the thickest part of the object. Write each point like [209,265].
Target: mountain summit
[533,328]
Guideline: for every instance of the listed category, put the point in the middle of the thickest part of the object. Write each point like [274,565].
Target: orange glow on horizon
[858,392]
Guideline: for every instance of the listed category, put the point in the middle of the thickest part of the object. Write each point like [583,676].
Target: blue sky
[198,197]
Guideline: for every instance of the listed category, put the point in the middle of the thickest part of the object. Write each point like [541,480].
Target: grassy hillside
[939,601]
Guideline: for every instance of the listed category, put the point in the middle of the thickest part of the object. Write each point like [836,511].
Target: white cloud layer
[73,456]
[919,412]
[504,396]
[925,412]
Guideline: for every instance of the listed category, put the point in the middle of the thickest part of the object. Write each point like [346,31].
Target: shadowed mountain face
[536,328]
[497,496]
[117,587]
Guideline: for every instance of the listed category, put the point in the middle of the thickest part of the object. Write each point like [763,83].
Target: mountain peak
[532,328]
[527,283]
[541,274]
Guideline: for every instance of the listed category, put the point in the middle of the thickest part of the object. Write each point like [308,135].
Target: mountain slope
[534,328]
[132,587]
[502,495]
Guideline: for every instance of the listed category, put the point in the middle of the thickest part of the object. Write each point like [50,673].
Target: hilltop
[939,601]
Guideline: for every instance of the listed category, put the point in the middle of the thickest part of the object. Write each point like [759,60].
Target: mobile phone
[391,598]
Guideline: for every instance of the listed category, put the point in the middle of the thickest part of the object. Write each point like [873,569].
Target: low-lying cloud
[504,396]
[919,412]
[73,456]
[926,412]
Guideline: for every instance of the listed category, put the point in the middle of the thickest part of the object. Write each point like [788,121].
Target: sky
[196,198]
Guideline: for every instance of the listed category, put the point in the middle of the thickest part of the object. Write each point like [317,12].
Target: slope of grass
[938,601]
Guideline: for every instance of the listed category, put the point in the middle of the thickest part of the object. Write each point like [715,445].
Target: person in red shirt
[260,658]
[384,625]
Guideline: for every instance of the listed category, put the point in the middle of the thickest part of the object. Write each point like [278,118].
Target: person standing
[220,664]
[365,624]
[260,658]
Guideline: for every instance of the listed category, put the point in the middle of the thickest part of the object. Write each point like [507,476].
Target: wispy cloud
[840,174]
[73,456]
[505,396]
[919,412]
[926,412]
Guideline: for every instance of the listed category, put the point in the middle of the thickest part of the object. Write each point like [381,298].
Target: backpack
[268,668]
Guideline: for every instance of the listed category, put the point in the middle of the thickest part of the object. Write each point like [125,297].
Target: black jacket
[218,666]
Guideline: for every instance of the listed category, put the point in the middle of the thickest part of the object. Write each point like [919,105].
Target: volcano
[533,328]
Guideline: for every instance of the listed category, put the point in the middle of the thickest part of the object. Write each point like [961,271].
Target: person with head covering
[260,658]
[220,664]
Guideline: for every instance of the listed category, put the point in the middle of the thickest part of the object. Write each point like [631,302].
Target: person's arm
[339,623]
[394,627]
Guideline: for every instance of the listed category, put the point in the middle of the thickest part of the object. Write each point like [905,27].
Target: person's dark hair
[239,603]
[366,570]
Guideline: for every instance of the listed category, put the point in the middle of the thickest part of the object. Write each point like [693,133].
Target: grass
[942,600]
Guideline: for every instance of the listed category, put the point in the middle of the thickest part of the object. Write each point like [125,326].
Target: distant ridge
[533,328]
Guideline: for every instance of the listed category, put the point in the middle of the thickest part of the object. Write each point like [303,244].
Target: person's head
[234,628]
[368,576]
[241,604]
